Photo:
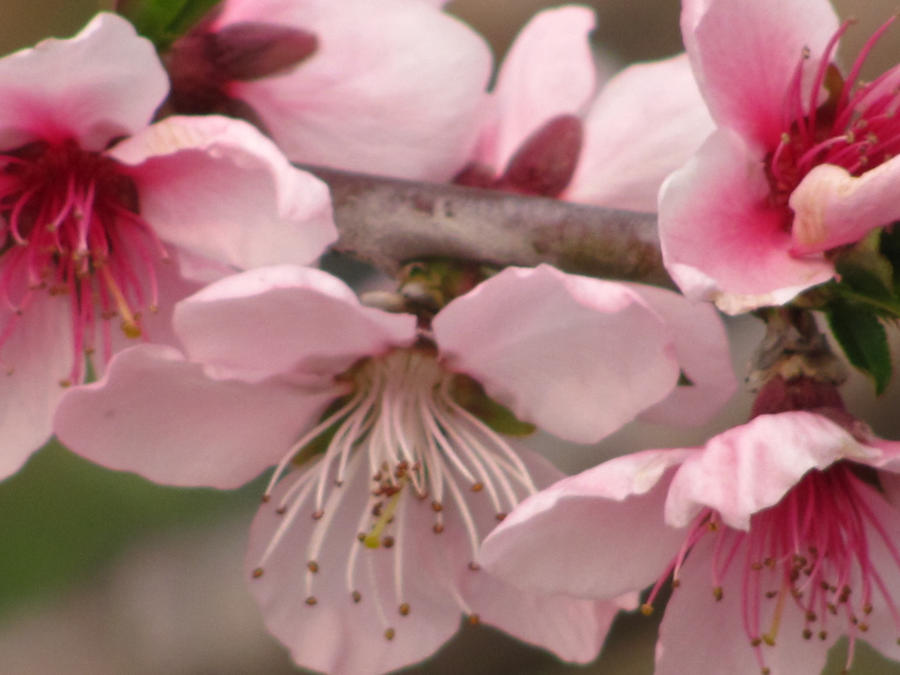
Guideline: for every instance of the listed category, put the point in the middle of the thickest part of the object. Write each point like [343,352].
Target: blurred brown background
[164,594]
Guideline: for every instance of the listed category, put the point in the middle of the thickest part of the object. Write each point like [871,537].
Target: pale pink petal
[104,82]
[35,359]
[833,208]
[158,415]
[570,537]
[220,189]
[646,122]
[548,71]
[745,55]
[702,349]
[701,635]
[392,91]
[577,356]
[733,248]
[750,467]
[337,635]
[285,319]
[573,629]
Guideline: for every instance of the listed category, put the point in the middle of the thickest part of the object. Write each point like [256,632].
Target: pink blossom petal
[646,122]
[698,631]
[721,240]
[577,356]
[34,360]
[393,92]
[832,208]
[745,55]
[702,349]
[750,467]
[284,319]
[158,415]
[548,71]
[337,635]
[569,538]
[104,82]
[219,188]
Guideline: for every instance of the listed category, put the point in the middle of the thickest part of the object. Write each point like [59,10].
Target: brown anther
[477,487]
[867,608]
[718,593]
[500,516]
[312,566]
[376,510]
[712,526]
[755,566]
[437,507]
[361,537]
[387,541]
[281,510]
[676,582]
[831,608]
[257,573]
[771,594]
[807,634]
[811,616]
[755,642]
[311,601]
[766,670]
[404,609]
[769,562]
[356,595]
[646,609]
[266,498]
[389,634]
[863,626]
[316,515]
[474,619]
[823,635]
[769,639]
[437,528]
[474,566]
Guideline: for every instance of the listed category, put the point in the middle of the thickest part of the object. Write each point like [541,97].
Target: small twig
[388,222]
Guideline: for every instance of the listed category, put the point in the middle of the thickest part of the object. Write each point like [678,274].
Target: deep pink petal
[220,189]
[393,92]
[102,83]
[832,208]
[569,538]
[158,415]
[548,71]
[750,467]
[745,54]
[646,122]
[34,360]
[697,631]
[702,349]
[720,238]
[577,356]
[285,319]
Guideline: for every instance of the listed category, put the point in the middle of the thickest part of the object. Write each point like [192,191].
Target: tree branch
[388,222]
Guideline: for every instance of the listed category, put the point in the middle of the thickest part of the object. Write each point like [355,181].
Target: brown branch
[387,222]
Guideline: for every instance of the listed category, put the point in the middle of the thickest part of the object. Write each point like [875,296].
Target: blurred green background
[104,573]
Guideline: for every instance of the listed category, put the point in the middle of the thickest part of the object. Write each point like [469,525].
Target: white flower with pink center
[780,536]
[389,475]
[107,221]
[558,128]
[804,160]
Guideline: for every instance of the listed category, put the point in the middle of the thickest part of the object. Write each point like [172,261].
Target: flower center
[421,450]
[812,552]
[856,128]
[72,227]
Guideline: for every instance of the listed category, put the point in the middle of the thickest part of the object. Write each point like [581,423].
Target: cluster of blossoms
[161,316]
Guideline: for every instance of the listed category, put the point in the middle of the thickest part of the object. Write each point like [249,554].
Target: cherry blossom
[803,160]
[780,536]
[389,471]
[392,91]
[105,218]
[548,130]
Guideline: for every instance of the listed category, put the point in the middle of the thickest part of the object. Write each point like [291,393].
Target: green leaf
[867,272]
[863,339]
[164,21]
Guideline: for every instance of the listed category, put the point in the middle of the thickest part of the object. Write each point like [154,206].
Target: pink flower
[803,160]
[362,556]
[781,535]
[391,90]
[548,131]
[97,228]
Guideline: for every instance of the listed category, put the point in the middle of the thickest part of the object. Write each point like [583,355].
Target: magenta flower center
[420,449]
[856,128]
[72,228]
[811,552]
